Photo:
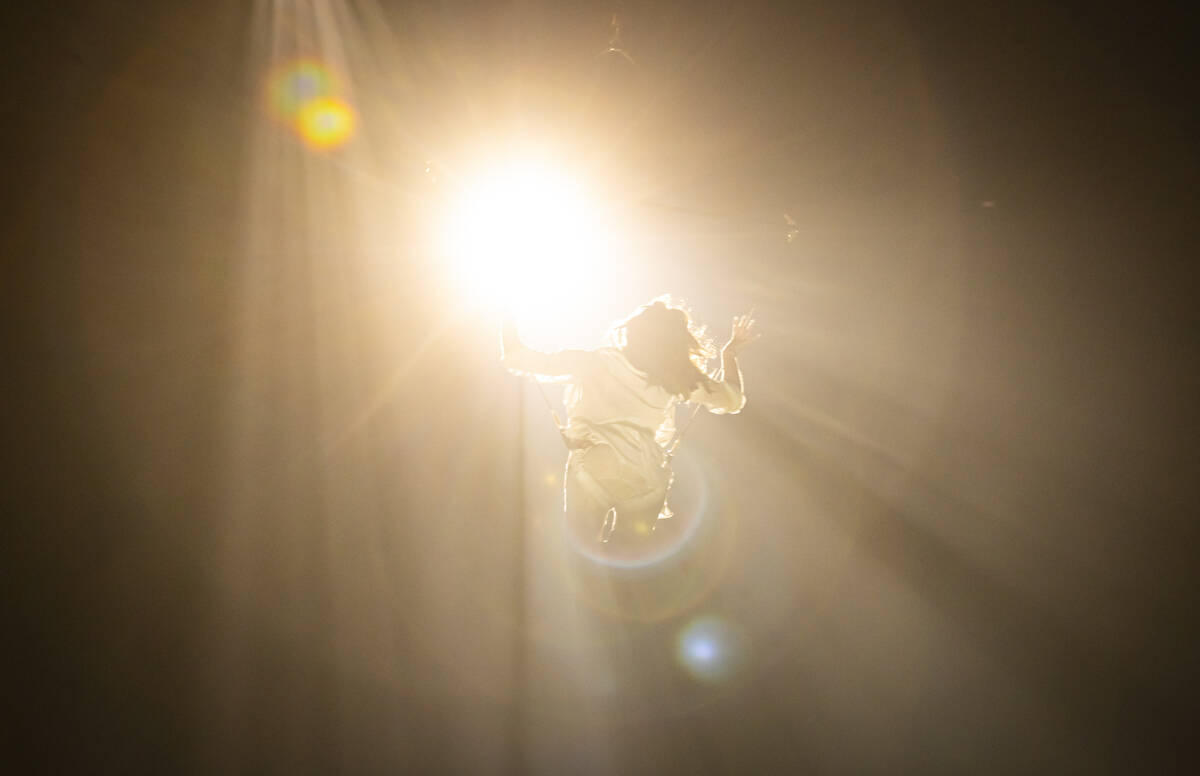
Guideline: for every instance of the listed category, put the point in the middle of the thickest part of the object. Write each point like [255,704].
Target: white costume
[610,403]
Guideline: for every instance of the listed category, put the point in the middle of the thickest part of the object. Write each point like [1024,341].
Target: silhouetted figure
[620,404]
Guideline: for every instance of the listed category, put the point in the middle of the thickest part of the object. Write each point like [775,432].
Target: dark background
[964,473]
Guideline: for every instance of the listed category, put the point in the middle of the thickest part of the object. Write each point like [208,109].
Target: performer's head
[661,340]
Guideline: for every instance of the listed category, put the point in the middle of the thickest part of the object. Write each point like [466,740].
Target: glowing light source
[526,237]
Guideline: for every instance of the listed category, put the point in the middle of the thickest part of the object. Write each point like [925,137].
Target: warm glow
[325,123]
[526,237]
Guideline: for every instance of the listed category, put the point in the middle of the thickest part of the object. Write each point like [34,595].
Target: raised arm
[726,393]
[517,358]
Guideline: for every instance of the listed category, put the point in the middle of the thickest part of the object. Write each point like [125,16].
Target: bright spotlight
[526,237]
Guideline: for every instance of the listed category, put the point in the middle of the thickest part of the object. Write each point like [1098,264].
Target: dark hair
[660,340]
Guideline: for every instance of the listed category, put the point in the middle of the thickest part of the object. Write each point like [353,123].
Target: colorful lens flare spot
[711,649]
[305,95]
[325,123]
[295,85]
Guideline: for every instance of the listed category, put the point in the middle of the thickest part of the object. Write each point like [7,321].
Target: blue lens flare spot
[294,85]
[711,649]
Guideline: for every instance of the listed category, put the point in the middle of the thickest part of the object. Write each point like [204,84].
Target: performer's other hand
[744,332]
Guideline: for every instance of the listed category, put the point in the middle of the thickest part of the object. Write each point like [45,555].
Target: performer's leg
[585,505]
[604,498]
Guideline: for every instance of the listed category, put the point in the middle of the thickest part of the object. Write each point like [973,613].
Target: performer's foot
[608,526]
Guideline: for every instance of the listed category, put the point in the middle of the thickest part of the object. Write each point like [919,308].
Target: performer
[620,404]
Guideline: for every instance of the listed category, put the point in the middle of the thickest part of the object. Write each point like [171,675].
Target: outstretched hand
[744,332]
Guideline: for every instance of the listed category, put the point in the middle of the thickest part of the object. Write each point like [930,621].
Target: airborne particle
[793,231]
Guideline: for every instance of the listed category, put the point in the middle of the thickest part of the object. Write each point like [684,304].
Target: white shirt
[609,401]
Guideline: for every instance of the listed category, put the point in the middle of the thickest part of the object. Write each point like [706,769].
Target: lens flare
[304,95]
[296,84]
[711,649]
[326,123]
